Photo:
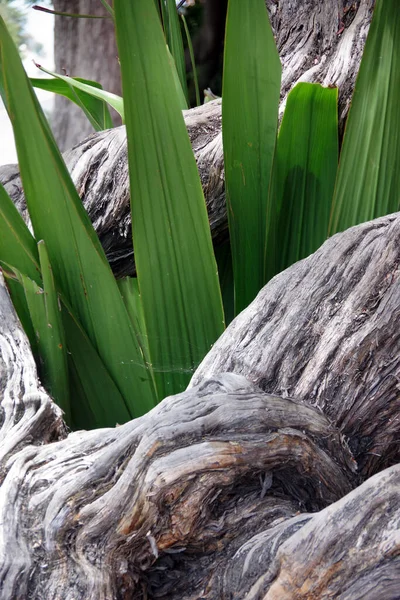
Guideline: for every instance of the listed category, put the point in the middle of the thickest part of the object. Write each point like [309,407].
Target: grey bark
[226,490]
[83,48]
[99,169]
[321,331]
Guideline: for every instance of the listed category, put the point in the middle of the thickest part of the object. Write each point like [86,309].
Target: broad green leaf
[97,401]
[96,110]
[175,43]
[249,125]
[80,268]
[176,268]
[92,89]
[304,173]
[368,179]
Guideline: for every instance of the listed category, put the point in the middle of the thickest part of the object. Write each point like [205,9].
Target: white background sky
[40,26]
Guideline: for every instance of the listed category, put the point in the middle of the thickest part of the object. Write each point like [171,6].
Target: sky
[40,26]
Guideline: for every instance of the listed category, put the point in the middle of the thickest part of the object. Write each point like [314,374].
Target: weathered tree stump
[226,490]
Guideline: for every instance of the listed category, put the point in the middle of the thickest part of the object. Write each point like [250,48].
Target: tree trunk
[226,491]
[83,48]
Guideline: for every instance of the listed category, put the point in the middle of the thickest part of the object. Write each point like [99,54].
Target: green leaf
[18,249]
[368,179]
[249,125]
[46,320]
[18,298]
[192,61]
[182,100]
[97,401]
[176,268]
[223,256]
[109,8]
[175,43]
[304,175]
[45,313]
[80,267]
[17,244]
[129,288]
[96,110]
[93,90]
[71,15]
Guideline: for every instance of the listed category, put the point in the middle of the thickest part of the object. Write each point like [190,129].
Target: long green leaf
[17,295]
[183,105]
[129,288]
[109,8]
[52,338]
[192,61]
[175,43]
[249,125]
[304,173]
[71,15]
[17,245]
[368,180]
[79,264]
[18,249]
[46,318]
[176,268]
[223,256]
[96,110]
[93,89]
[97,401]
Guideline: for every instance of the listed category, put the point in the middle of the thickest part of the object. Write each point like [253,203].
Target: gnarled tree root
[226,490]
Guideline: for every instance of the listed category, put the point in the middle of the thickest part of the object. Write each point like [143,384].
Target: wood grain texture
[226,491]
[327,329]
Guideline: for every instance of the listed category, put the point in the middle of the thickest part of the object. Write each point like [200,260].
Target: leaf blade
[304,173]
[249,126]
[176,267]
[95,109]
[371,145]
[81,270]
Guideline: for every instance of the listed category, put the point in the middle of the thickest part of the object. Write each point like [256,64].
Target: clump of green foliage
[109,350]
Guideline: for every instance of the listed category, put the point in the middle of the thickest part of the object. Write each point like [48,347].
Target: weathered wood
[328,330]
[99,168]
[311,49]
[321,42]
[27,413]
[226,491]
